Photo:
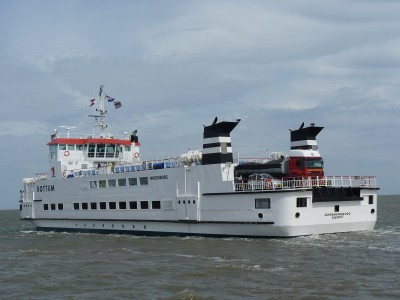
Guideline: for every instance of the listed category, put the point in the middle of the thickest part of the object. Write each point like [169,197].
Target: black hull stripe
[148,221]
[150,233]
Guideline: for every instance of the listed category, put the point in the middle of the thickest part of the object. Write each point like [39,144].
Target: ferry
[98,182]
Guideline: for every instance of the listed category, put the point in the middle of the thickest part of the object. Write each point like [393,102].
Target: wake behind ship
[99,183]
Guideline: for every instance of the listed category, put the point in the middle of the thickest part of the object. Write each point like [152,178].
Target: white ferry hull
[192,229]
[71,205]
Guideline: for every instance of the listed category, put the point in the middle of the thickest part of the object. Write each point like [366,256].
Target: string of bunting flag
[117,104]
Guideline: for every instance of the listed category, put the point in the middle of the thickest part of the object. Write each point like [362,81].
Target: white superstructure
[98,183]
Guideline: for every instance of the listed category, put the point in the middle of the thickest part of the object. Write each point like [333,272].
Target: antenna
[68,128]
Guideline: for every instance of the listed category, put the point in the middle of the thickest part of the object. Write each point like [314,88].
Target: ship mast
[99,119]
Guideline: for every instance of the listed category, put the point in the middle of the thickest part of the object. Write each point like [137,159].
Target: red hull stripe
[72,141]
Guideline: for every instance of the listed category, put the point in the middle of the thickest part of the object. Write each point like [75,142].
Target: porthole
[144,226]
[297,215]
[179,201]
[133,226]
[194,201]
[123,226]
[260,216]
[372,211]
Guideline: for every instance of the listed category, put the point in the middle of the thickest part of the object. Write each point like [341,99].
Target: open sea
[361,265]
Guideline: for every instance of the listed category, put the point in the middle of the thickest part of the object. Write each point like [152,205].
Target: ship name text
[45,188]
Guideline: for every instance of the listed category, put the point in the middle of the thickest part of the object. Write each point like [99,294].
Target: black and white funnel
[217,147]
[304,138]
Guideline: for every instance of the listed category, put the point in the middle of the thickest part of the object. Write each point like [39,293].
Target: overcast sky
[175,65]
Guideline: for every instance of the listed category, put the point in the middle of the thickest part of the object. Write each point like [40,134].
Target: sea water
[359,265]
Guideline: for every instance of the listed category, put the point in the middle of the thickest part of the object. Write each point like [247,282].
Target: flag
[117,104]
[110,99]
[92,102]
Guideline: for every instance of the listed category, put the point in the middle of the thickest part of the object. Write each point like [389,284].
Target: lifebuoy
[66,153]
[136,154]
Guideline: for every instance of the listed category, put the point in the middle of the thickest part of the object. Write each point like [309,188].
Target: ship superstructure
[99,183]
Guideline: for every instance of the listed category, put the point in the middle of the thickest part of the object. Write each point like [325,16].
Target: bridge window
[71,147]
[122,182]
[262,203]
[127,149]
[110,150]
[101,149]
[112,183]
[62,147]
[92,150]
[53,151]
[117,150]
[79,147]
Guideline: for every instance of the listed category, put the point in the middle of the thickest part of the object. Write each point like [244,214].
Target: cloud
[23,128]
[176,65]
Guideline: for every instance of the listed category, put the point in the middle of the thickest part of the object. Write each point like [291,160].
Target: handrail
[308,182]
[88,136]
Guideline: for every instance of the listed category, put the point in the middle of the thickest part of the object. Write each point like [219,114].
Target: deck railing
[156,164]
[308,182]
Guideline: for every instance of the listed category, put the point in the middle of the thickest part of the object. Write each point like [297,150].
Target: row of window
[119,182]
[52,206]
[107,205]
[260,203]
[93,150]
[265,203]
[118,205]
